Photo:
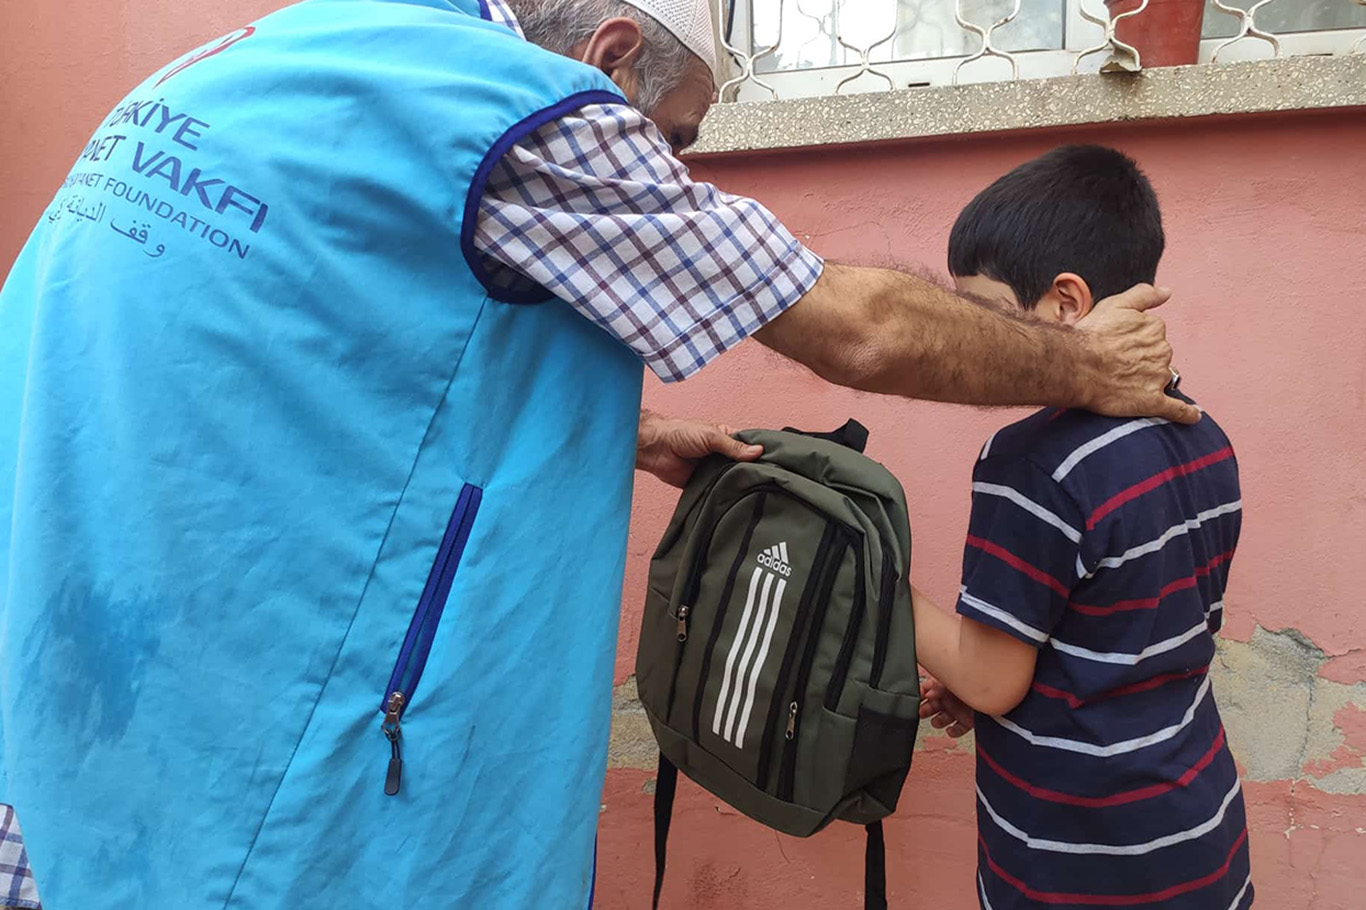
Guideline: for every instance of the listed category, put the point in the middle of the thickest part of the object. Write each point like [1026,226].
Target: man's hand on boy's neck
[899,334]
[1069,303]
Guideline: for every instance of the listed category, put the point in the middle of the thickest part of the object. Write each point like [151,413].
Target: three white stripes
[740,682]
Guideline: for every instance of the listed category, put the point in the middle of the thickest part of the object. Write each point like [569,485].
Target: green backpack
[777,651]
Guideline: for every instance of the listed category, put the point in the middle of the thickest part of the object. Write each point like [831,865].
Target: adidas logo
[775,558]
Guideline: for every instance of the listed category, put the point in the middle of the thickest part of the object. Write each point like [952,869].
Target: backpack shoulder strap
[874,869]
[666,782]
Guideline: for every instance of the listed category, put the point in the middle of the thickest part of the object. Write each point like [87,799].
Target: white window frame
[1078,35]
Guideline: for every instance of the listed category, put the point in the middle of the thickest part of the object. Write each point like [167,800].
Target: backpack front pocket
[417,643]
[755,612]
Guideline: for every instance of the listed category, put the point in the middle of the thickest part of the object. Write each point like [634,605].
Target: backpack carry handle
[853,435]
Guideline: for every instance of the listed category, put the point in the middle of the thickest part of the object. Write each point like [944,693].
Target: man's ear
[1074,297]
[615,48]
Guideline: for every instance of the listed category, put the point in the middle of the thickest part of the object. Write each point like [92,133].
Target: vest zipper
[417,643]
[392,732]
[820,560]
[787,776]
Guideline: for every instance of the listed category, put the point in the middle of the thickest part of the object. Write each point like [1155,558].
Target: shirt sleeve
[1022,556]
[595,209]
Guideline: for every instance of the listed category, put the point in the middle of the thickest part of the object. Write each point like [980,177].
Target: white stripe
[1059,846]
[782,547]
[759,662]
[1129,745]
[1081,568]
[751,640]
[734,650]
[1215,608]
[997,613]
[1104,440]
[1237,900]
[1185,527]
[982,890]
[986,449]
[1129,660]
[1030,506]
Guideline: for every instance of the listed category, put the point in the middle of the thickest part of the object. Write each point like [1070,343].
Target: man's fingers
[1140,297]
[1176,410]
[733,448]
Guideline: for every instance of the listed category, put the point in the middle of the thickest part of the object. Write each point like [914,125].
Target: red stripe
[1118,799]
[1114,900]
[1016,562]
[1144,686]
[1152,483]
[1149,603]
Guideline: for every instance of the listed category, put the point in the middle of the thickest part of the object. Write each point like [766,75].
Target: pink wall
[64,64]
[1266,232]
[1265,236]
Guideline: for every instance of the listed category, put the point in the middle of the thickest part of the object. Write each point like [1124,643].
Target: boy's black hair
[1080,208]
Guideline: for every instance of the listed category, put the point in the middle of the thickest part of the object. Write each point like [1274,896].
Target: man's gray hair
[562,25]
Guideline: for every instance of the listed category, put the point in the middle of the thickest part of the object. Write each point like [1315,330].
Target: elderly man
[318,388]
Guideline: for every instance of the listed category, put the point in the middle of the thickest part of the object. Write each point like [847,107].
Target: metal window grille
[804,48]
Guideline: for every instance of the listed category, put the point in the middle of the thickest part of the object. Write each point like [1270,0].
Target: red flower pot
[1167,33]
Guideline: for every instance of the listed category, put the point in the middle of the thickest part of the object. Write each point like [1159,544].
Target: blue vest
[310,548]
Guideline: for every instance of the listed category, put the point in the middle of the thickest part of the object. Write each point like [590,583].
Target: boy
[1097,556]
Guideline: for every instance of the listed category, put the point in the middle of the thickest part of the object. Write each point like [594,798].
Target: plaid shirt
[594,208]
[17,888]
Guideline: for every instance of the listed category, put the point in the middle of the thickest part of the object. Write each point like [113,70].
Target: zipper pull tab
[392,732]
[791,721]
[683,612]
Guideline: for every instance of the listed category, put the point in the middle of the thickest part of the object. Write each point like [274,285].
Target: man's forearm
[885,331]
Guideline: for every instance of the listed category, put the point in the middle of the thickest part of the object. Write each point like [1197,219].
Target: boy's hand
[669,448]
[1133,358]
[945,710]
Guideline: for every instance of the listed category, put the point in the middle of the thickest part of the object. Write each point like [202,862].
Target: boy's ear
[1074,297]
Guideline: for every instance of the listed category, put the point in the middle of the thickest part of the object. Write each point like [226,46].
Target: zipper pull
[392,732]
[791,721]
[683,612]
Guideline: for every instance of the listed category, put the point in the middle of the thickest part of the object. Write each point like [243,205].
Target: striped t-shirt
[1106,544]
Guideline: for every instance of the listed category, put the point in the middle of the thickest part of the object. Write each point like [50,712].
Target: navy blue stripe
[520,130]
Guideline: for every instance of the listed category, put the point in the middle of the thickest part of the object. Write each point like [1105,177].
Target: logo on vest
[775,558]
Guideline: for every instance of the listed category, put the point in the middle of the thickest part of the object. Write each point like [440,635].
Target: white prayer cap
[688,20]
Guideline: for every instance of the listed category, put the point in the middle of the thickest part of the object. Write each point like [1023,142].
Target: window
[820,43]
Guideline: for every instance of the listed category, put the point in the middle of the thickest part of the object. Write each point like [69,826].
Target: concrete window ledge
[1258,86]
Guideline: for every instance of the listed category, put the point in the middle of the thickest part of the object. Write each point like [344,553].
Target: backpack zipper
[694,579]
[669,541]
[840,673]
[886,596]
[693,584]
[417,643]
[787,776]
[813,583]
